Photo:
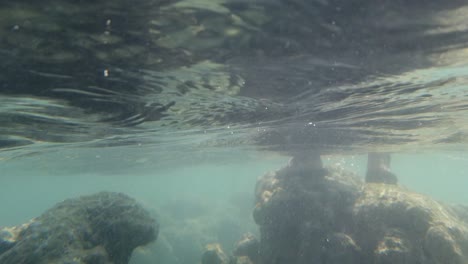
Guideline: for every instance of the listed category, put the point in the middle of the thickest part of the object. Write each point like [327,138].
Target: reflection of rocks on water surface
[188,64]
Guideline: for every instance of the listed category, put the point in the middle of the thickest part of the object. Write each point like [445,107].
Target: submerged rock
[214,254]
[101,228]
[338,219]
[247,247]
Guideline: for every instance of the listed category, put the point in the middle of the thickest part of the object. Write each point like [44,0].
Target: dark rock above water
[103,228]
[336,218]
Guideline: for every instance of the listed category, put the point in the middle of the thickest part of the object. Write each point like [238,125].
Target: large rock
[247,247]
[103,228]
[337,219]
[214,254]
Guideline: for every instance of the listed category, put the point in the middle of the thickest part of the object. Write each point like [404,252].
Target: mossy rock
[103,228]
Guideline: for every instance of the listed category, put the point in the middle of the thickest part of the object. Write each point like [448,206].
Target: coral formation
[103,228]
[336,218]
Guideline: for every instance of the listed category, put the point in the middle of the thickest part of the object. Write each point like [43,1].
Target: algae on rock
[103,228]
[337,219]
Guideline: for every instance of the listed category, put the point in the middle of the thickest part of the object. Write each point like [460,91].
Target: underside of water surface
[327,75]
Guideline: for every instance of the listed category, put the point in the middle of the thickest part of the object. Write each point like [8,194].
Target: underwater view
[234,132]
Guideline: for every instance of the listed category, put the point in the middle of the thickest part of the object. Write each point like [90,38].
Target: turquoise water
[199,200]
[33,184]
[29,190]
[203,192]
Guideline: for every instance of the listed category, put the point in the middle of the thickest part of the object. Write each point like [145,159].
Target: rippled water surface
[183,76]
